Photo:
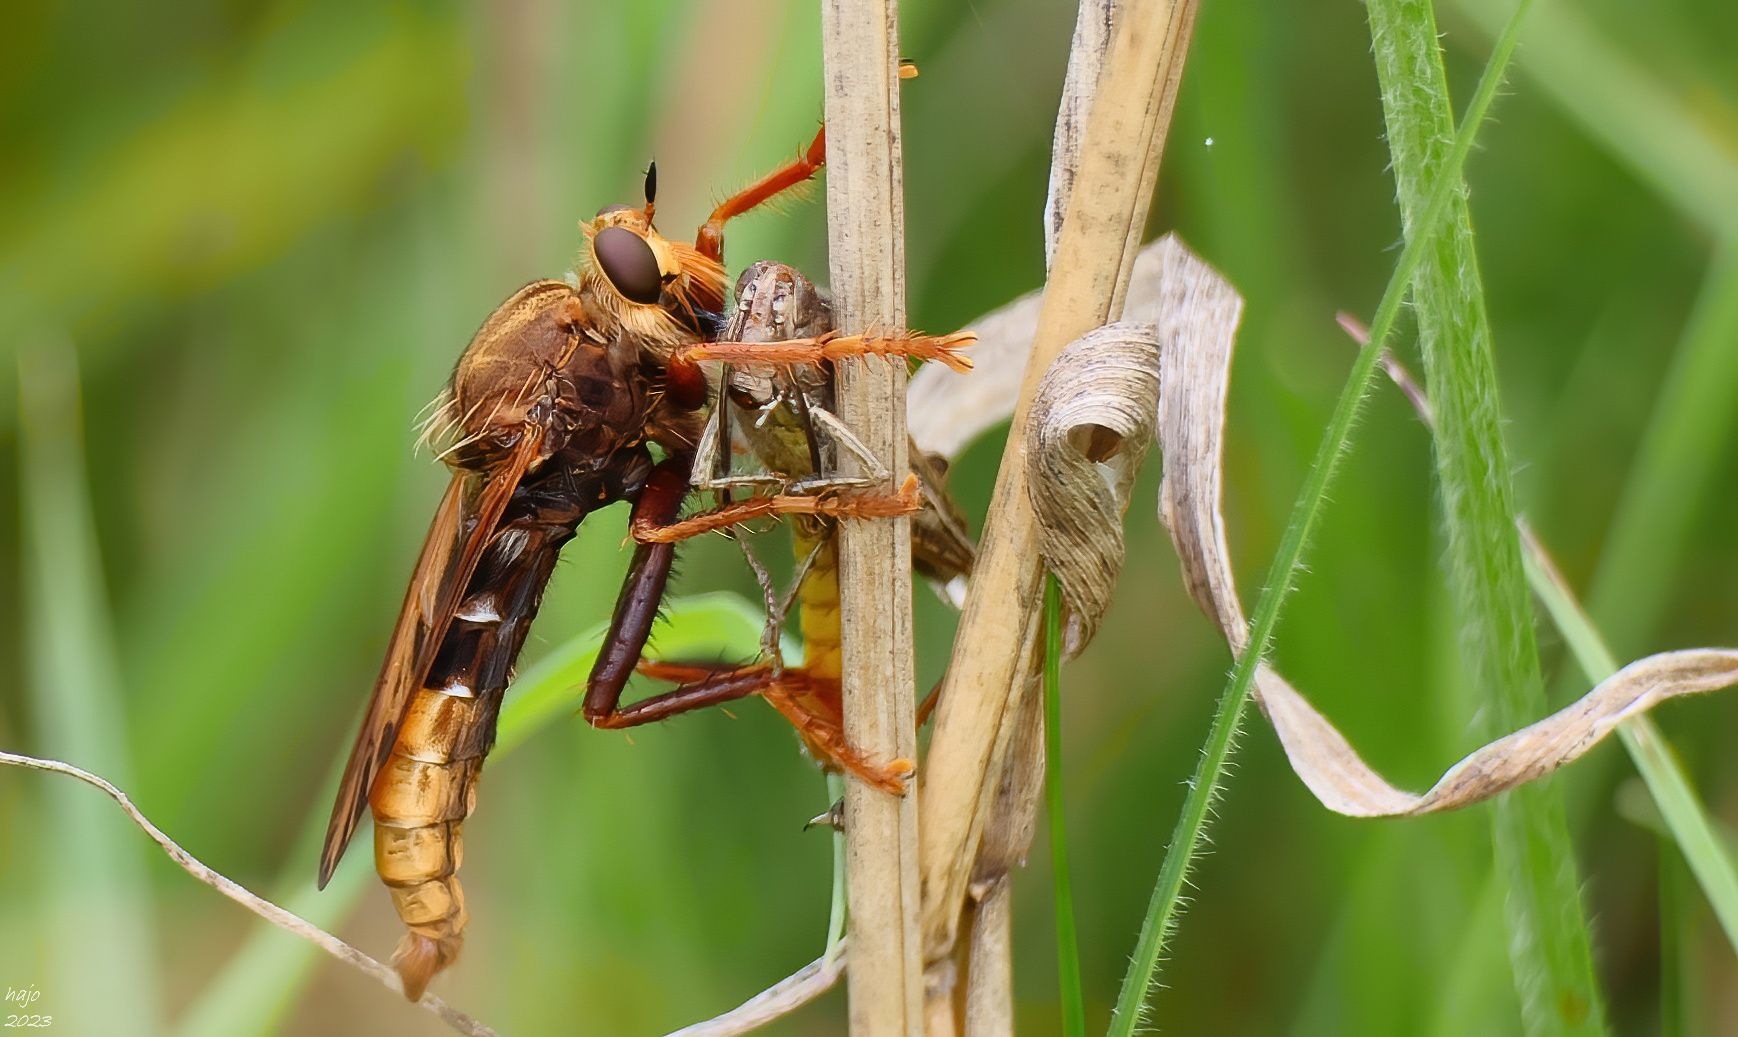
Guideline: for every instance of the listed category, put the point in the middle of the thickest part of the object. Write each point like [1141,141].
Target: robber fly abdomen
[427,786]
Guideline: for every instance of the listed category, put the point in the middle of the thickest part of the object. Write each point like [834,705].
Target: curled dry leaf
[1089,427]
[1195,312]
[949,410]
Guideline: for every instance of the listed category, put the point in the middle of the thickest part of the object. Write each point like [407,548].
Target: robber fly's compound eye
[626,259]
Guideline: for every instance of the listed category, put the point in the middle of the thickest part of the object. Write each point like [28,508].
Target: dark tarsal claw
[833,817]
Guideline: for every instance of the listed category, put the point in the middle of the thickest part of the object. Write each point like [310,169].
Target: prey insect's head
[774,301]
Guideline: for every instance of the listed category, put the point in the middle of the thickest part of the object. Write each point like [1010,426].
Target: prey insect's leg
[806,410]
[945,348]
[841,434]
[709,457]
[714,454]
[709,240]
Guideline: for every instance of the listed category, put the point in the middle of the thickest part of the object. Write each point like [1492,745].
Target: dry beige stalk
[775,1002]
[866,228]
[1122,138]
[987,932]
[1013,814]
[285,920]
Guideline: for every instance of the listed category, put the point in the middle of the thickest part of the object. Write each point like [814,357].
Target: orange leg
[709,240]
[646,530]
[833,346]
[809,703]
[930,701]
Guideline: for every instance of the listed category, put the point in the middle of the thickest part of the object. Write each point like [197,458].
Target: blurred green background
[254,237]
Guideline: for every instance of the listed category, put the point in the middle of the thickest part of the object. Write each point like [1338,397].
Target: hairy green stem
[1550,948]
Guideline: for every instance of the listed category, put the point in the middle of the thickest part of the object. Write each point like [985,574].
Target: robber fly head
[657,291]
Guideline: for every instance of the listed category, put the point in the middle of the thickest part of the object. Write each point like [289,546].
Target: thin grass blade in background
[98,907]
[1680,993]
[240,894]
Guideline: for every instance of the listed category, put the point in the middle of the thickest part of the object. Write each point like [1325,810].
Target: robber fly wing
[462,529]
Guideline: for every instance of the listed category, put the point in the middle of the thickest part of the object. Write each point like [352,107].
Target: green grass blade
[258,984]
[96,889]
[1550,947]
[1475,980]
[1067,939]
[1165,904]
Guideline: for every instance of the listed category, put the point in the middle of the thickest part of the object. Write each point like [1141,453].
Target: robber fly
[550,414]
[782,413]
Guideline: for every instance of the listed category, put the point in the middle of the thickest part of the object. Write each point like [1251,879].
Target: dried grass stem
[866,225]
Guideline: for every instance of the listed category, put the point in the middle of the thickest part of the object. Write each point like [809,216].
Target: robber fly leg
[709,240]
[711,688]
[648,530]
[930,701]
[832,346]
[814,712]
[811,704]
[637,606]
[685,382]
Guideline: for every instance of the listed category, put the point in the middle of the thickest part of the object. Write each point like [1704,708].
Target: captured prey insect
[551,413]
[781,409]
